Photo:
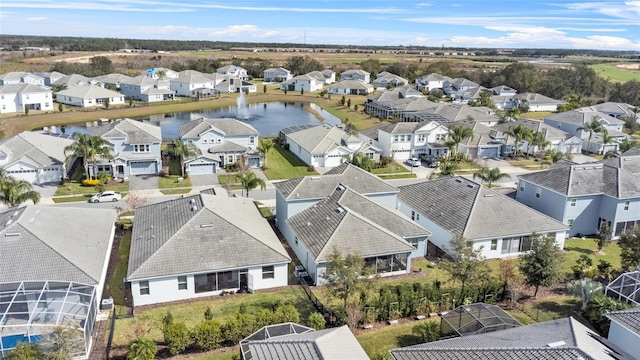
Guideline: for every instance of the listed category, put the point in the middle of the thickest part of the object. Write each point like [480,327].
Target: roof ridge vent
[15,213]
[12,234]
[488,195]
[556,344]
[470,186]
[340,210]
[340,187]
[8,222]
[194,208]
[192,201]
[206,225]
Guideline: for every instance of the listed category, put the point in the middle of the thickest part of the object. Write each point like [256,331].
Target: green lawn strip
[121,270]
[393,168]
[397,176]
[174,166]
[521,317]
[536,115]
[74,188]
[616,74]
[176,191]
[171,182]
[68,199]
[193,312]
[264,210]
[381,340]
[220,354]
[283,164]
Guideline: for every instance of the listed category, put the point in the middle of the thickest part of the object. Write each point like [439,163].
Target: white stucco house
[202,245]
[350,87]
[456,206]
[431,81]
[17,97]
[305,82]
[404,140]
[356,74]
[147,89]
[34,157]
[234,70]
[191,83]
[21,77]
[574,123]
[89,96]
[278,74]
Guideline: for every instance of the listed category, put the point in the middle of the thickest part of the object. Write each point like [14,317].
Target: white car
[413,162]
[106,196]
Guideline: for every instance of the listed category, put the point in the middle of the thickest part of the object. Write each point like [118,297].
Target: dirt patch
[629,66]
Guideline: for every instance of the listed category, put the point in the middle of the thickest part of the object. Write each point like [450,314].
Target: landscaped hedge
[90,182]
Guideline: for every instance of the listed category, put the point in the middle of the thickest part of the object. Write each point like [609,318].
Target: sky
[611,25]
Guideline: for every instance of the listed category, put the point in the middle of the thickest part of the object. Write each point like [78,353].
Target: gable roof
[135,132]
[55,243]
[23,88]
[72,80]
[201,233]
[629,161]
[550,132]
[466,208]
[317,187]
[36,148]
[112,78]
[482,135]
[321,139]
[538,99]
[351,84]
[88,92]
[352,223]
[433,77]
[629,318]
[225,126]
[610,107]
[582,116]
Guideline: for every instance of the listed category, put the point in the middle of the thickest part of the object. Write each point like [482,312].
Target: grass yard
[536,115]
[393,168]
[177,191]
[171,182]
[121,270]
[283,164]
[616,74]
[192,312]
[68,199]
[229,182]
[380,341]
[74,188]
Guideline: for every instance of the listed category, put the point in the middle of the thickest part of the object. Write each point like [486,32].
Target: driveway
[143,182]
[45,190]
[204,180]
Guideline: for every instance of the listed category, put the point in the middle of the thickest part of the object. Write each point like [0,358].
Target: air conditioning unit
[297,270]
[107,304]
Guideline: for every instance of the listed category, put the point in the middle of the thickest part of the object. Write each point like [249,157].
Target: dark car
[431,161]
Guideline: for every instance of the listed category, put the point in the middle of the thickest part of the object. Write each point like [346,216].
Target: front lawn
[177,191]
[75,188]
[283,164]
[171,182]
[393,168]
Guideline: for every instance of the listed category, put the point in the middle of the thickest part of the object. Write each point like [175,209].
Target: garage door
[202,169]
[143,167]
[50,175]
[30,176]
[486,153]
[254,163]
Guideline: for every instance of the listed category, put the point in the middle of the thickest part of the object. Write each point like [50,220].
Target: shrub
[90,182]
[264,317]
[100,188]
[208,314]
[311,168]
[583,267]
[316,321]
[104,178]
[231,331]
[176,335]
[207,335]
[286,313]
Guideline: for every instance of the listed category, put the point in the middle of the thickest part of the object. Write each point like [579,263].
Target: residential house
[561,339]
[68,81]
[21,77]
[53,268]
[386,79]
[329,76]
[558,140]
[294,341]
[405,140]
[50,77]
[624,331]
[278,74]
[146,89]
[161,73]
[191,83]
[532,101]
[111,81]
[503,90]
[220,142]
[350,87]
[89,96]
[458,84]
[352,223]
[431,82]
[584,196]
[456,206]
[397,103]
[325,145]
[21,96]
[574,122]
[136,149]
[468,95]
[231,84]
[202,245]
[307,82]
[34,157]
[295,195]
[234,70]
[486,142]
[356,75]
[617,110]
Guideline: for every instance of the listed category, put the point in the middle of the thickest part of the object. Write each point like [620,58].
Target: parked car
[106,196]
[431,161]
[413,162]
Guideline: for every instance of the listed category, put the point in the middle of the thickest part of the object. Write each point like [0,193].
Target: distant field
[615,73]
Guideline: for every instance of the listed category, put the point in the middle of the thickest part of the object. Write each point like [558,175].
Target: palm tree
[606,139]
[361,160]
[89,148]
[447,168]
[265,146]
[554,155]
[428,330]
[183,150]
[457,134]
[538,140]
[250,181]
[490,175]
[519,133]
[14,192]
[142,348]
[585,289]
[595,126]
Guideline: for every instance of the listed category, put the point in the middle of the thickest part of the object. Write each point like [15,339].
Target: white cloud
[235,30]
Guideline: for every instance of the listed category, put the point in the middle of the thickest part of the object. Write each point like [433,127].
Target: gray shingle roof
[201,233]
[464,207]
[225,147]
[352,223]
[34,245]
[629,318]
[491,354]
[583,116]
[538,99]
[549,132]
[35,148]
[351,84]
[225,126]
[136,132]
[319,139]
[88,92]
[629,161]
[23,88]
[318,187]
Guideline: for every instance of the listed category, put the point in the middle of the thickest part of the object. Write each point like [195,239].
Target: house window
[441,137]
[570,222]
[626,205]
[144,287]
[396,138]
[421,137]
[268,272]
[230,159]
[573,202]
[415,216]
[538,192]
[141,148]
[413,242]
[522,183]
[252,139]
[296,240]
[494,244]
[408,137]
[182,283]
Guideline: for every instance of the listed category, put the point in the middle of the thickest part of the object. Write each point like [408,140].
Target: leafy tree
[447,168]
[607,139]
[25,351]
[583,267]
[100,65]
[301,91]
[142,348]
[629,243]
[603,237]
[538,141]
[249,181]
[553,156]
[427,331]
[595,126]
[585,289]
[349,103]
[346,277]
[286,313]
[26,110]
[343,100]
[303,64]
[264,89]
[598,307]
[519,133]
[361,160]
[14,192]
[107,102]
[457,134]
[371,66]
[265,146]
[316,321]
[490,175]
[183,150]
[89,148]
[628,144]
[627,92]
[466,264]
[540,266]
[176,336]
[207,335]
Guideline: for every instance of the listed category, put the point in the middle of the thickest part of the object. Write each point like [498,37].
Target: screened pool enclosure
[626,287]
[475,319]
[30,310]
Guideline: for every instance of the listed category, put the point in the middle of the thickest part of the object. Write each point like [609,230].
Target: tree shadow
[579,250]
[408,340]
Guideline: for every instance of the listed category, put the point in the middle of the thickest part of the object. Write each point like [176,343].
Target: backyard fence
[330,316]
